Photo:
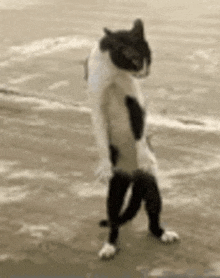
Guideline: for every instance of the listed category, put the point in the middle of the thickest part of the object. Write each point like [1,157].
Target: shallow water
[48,193]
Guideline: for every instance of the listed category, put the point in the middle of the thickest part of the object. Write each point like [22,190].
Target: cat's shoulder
[100,65]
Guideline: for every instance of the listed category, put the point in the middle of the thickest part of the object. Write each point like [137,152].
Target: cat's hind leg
[117,188]
[153,206]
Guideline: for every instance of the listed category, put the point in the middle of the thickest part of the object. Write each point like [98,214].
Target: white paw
[104,171]
[108,251]
[169,236]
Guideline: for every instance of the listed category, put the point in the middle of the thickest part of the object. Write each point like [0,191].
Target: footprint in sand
[58,251]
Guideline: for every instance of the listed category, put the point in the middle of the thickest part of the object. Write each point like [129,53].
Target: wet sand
[50,202]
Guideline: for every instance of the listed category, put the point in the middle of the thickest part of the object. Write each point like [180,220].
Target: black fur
[136,114]
[128,49]
[134,203]
[144,188]
[117,189]
[152,199]
[114,154]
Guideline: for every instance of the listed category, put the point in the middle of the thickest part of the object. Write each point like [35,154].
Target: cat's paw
[104,171]
[169,236]
[108,251]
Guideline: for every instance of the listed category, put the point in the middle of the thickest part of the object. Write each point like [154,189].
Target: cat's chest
[118,114]
[116,109]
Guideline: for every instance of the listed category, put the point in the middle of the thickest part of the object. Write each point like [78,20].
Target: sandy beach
[50,204]
[50,201]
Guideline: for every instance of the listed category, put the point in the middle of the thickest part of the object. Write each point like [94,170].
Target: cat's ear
[138,29]
[111,41]
[107,32]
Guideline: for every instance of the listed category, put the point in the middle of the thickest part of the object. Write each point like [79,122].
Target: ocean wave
[205,60]
[48,46]
[203,124]
[16,5]
[192,170]
[41,103]
[190,124]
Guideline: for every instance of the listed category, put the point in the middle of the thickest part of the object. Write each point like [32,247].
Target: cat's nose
[142,73]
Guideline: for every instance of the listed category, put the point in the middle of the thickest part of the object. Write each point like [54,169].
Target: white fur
[143,72]
[107,88]
[108,251]
[169,236]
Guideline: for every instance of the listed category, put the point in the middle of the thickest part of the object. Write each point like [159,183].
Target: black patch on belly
[114,154]
[136,114]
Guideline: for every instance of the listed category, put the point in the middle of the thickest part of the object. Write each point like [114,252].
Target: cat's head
[128,49]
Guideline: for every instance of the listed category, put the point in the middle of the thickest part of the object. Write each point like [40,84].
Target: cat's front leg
[104,170]
[98,98]
[100,126]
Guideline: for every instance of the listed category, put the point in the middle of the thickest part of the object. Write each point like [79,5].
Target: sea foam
[205,124]
[190,124]
[50,45]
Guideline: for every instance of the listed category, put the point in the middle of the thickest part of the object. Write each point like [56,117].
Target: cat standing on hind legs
[119,122]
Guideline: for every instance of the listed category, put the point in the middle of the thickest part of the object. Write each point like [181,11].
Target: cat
[119,121]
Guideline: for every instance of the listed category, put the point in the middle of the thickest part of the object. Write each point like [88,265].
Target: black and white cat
[119,121]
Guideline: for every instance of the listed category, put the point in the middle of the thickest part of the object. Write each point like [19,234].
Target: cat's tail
[132,208]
